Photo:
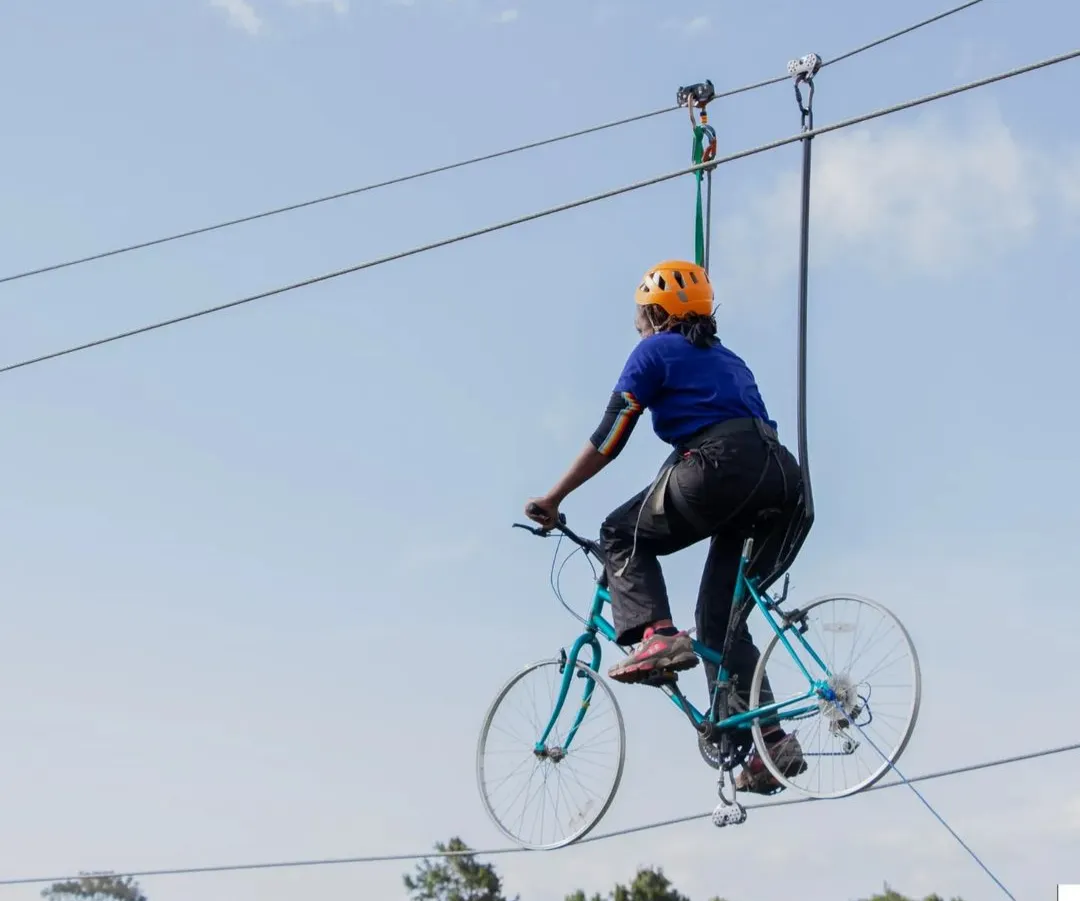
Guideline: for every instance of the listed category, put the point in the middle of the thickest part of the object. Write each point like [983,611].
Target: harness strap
[664,487]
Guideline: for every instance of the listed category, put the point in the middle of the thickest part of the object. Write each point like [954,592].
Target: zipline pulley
[701,93]
[803,71]
[697,96]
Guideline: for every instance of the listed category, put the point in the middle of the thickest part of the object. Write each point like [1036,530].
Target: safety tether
[704,150]
[802,72]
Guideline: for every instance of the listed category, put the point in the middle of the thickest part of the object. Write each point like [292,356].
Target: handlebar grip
[535,508]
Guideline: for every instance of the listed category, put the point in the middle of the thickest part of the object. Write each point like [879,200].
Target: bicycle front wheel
[548,794]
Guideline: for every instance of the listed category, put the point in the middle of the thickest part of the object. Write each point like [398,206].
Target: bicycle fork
[568,665]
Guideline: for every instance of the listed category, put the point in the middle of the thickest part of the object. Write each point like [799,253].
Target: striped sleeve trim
[622,414]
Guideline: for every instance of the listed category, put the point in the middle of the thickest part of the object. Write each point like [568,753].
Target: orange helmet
[678,287]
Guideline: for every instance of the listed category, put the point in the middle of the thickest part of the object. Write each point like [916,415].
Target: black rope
[806,109]
[799,527]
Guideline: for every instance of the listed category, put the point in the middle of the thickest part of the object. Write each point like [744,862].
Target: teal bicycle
[548,775]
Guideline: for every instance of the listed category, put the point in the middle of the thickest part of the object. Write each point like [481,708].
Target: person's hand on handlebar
[543,510]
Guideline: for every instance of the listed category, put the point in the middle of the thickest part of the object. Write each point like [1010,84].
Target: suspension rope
[802,71]
[424,173]
[824,129]
[903,780]
[493,852]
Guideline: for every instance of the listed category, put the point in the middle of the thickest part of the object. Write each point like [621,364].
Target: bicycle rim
[857,738]
[548,800]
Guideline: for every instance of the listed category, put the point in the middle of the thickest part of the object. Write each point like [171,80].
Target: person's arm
[641,380]
[605,444]
[587,464]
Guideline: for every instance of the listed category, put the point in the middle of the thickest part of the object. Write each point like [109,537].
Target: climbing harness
[704,150]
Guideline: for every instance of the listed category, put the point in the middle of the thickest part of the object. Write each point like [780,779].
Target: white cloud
[689,27]
[696,25]
[1069,185]
[240,14]
[507,16]
[928,193]
[931,195]
[341,7]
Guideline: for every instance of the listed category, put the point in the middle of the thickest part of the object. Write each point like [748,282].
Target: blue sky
[259,580]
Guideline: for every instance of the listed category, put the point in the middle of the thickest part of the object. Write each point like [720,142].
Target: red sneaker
[655,653]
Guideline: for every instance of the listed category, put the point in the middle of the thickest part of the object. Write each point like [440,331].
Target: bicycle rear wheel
[850,742]
[549,796]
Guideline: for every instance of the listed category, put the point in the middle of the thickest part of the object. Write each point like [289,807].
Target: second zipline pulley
[698,96]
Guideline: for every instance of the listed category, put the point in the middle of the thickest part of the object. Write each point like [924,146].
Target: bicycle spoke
[567,789]
[877,687]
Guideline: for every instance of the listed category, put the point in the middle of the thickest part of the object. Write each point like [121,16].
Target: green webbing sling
[697,96]
[703,152]
[699,217]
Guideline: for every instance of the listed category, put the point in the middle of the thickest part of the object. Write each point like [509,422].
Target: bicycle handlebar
[584,543]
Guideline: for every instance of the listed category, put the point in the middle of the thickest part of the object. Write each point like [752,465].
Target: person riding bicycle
[726,468]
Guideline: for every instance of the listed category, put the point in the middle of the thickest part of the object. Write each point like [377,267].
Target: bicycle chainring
[710,752]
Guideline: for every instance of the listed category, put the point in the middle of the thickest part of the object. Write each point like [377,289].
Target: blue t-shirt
[688,388]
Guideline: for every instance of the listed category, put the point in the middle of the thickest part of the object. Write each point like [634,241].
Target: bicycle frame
[596,623]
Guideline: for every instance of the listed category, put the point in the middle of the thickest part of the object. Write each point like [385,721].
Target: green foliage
[459,877]
[95,888]
[891,895]
[455,878]
[649,884]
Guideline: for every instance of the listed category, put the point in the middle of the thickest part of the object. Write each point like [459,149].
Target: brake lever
[536,530]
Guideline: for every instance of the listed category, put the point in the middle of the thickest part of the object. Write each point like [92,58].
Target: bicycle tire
[886,760]
[608,797]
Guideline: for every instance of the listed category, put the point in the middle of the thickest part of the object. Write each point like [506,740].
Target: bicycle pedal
[657,678]
[728,815]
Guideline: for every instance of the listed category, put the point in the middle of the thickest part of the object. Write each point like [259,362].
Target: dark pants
[724,482]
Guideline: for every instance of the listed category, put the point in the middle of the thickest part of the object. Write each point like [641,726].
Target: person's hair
[697,329]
